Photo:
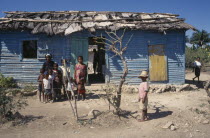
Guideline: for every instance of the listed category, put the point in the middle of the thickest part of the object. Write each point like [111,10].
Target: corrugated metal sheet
[27,70]
[136,55]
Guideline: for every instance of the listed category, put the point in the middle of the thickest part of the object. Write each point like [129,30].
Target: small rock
[167,125]
[173,127]
[91,114]
[185,87]
[134,101]
[159,90]
[191,135]
[206,121]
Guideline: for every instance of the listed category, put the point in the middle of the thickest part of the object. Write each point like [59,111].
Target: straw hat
[143,74]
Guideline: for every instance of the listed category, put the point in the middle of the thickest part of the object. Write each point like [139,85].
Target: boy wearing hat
[143,98]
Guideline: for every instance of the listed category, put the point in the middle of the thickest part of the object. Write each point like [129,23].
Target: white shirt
[46,83]
[51,78]
[197,63]
[63,70]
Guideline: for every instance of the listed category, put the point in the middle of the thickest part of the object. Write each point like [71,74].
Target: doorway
[96,61]
[158,63]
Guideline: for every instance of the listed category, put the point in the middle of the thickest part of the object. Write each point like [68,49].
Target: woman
[48,64]
[197,69]
[80,75]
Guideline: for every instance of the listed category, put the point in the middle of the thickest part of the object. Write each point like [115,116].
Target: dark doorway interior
[96,61]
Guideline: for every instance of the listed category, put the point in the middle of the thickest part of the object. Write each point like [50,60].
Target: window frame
[21,49]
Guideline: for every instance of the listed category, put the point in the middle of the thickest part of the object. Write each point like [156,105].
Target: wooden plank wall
[136,54]
[27,70]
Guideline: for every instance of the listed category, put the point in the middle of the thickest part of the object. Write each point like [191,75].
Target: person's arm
[44,66]
[85,73]
[139,99]
[43,86]
[38,78]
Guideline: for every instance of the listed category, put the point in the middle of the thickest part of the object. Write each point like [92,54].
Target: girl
[57,83]
[40,88]
[197,69]
[80,75]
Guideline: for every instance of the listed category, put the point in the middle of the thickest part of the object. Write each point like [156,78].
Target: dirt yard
[189,112]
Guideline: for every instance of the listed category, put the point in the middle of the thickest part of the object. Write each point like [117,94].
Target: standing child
[80,75]
[57,82]
[143,95]
[47,88]
[40,88]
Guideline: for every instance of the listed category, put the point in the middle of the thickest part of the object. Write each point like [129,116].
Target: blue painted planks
[136,54]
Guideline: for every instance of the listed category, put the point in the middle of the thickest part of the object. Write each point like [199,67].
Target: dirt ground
[188,111]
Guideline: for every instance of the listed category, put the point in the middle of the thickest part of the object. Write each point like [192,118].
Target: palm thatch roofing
[67,22]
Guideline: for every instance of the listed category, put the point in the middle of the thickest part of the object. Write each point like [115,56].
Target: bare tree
[206,87]
[114,43]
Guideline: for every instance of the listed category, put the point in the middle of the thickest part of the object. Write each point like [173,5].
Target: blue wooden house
[157,43]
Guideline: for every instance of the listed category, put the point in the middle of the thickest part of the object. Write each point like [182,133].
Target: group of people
[54,79]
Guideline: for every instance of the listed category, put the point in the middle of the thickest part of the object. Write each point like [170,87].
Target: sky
[196,12]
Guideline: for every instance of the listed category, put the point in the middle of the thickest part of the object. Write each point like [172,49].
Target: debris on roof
[67,22]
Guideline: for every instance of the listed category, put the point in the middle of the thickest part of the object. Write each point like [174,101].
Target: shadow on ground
[158,113]
[198,84]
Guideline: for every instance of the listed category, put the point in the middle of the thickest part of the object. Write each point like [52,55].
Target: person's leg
[146,117]
[40,95]
[142,116]
[59,93]
[194,79]
[54,95]
[43,96]
[83,96]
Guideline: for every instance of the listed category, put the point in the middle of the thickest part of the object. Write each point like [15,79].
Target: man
[95,60]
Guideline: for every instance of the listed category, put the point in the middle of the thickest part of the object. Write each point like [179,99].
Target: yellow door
[158,64]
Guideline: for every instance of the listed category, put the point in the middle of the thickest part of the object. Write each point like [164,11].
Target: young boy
[57,82]
[143,95]
[40,88]
[47,88]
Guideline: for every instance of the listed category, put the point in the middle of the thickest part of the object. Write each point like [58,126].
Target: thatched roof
[67,22]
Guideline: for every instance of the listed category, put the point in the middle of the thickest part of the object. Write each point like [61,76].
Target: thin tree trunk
[119,91]
[206,87]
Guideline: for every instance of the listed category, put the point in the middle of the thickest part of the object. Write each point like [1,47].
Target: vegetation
[192,54]
[7,82]
[200,41]
[10,101]
[114,43]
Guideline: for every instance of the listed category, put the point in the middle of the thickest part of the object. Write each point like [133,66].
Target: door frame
[166,65]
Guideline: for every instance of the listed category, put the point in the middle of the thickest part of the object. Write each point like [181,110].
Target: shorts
[47,91]
[143,106]
[40,87]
